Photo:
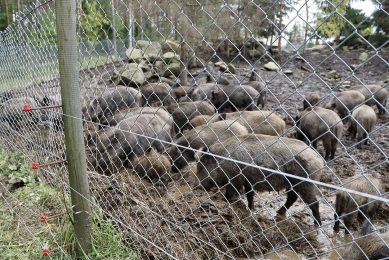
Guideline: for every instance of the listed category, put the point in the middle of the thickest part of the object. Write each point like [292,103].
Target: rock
[159,67]
[172,69]
[170,56]
[132,75]
[346,84]
[225,68]
[134,54]
[288,72]
[271,66]
[363,56]
[151,50]
[231,68]
[171,46]
[221,65]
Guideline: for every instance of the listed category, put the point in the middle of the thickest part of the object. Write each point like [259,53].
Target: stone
[231,68]
[151,50]
[171,46]
[159,67]
[363,56]
[170,56]
[134,54]
[271,66]
[132,75]
[288,72]
[172,69]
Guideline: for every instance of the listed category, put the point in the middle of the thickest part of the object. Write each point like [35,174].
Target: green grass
[21,75]
[23,236]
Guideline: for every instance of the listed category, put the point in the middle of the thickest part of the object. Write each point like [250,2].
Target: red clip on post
[27,108]
[43,218]
[35,166]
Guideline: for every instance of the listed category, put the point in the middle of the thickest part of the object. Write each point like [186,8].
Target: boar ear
[200,153]
[149,150]
[214,93]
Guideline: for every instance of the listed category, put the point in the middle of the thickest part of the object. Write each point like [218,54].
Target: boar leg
[307,194]
[231,191]
[327,148]
[334,143]
[249,195]
[339,210]
[291,198]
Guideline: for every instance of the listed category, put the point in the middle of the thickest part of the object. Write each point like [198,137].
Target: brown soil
[180,221]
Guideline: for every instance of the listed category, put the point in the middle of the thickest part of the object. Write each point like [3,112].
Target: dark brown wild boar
[352,205]
[363,120]
[345,101]
[201,136]
[374,95]
[279,153]
[320,124]
[241,97]
[311,100]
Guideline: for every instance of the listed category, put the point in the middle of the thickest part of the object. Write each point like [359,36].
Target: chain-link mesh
[210,131]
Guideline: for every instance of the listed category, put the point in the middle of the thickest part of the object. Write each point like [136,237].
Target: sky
[367,6]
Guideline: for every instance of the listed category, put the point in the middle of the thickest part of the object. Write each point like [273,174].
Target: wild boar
[258,86]
[183,112]
[311,100]
[320,124]
[204,119]
[204,91]
[182,91]
[258,122]
[368,246]
[374,95]
[122,114]
[202,136]
[155,94]
[11,112]
[363,120]
[352,205]
[241,97]
[280,153]
[152,165]
[132,136]
[345,102]
[112,100]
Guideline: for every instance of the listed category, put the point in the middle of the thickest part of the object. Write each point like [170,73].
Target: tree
[381,18]
[330,24]
[95,25]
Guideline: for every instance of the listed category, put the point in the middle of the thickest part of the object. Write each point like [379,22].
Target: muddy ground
[179,221]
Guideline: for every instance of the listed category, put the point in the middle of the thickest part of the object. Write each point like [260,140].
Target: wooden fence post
[75,151]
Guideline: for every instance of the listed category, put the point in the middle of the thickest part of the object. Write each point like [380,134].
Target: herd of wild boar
[158,129]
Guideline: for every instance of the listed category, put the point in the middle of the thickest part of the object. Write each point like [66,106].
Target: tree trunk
[184,28]
[113,26]
[306,27]
[279,27]
[7,12]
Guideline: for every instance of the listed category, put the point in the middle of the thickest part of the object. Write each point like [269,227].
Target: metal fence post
[74,141]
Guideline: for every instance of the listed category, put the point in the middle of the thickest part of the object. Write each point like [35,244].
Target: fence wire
[210,131]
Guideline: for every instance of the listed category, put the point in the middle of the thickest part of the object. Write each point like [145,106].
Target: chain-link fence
[210,131]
